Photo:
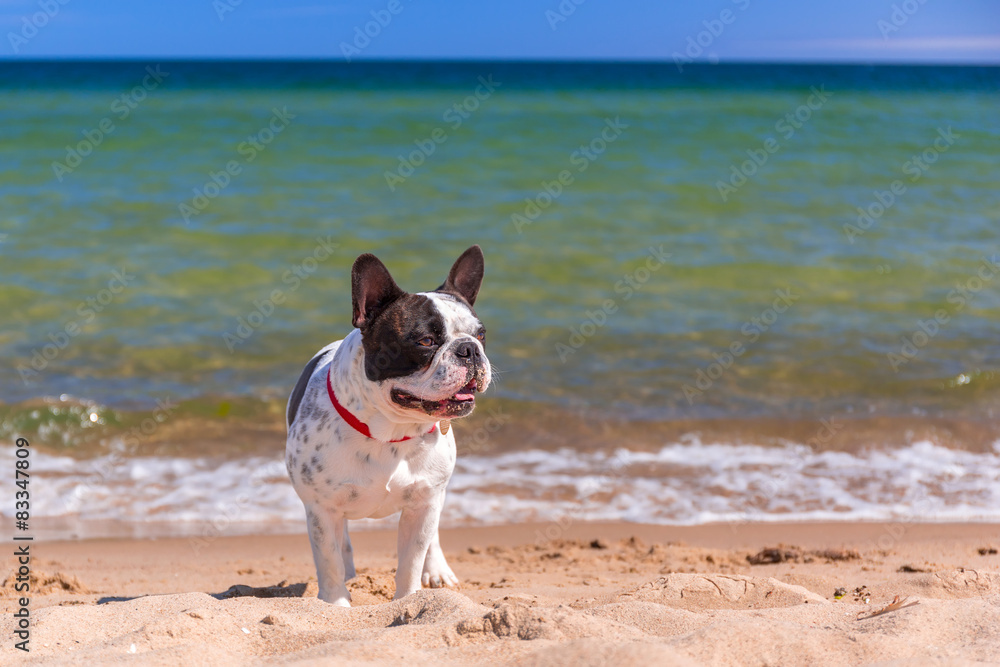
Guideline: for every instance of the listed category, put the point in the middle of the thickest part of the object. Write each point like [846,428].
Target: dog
[369,420]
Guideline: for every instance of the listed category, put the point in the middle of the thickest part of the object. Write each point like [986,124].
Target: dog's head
[426,352]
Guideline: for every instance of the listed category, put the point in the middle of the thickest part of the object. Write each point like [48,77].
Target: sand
[578,594]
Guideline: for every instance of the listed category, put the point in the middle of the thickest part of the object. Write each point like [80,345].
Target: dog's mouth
[466,393]
[458,404]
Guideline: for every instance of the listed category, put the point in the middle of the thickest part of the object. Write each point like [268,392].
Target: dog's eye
[426,341]
[481,336]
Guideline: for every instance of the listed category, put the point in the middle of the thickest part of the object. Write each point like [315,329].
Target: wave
[683,483]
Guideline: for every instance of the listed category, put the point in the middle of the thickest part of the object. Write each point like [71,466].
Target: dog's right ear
[372,289]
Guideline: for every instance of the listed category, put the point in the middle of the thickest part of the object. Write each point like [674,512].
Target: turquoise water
[582,316]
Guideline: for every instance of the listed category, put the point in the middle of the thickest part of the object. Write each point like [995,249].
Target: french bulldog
[369,420]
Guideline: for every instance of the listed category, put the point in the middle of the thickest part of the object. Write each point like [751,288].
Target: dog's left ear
[466,275]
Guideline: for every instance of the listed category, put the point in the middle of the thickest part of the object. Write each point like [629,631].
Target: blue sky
[945,31]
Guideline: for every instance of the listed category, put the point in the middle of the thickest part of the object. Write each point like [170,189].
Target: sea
[718,293]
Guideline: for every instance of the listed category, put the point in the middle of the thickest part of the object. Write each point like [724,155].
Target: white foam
[683,484]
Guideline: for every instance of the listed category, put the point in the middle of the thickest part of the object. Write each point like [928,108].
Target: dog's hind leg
[327,532]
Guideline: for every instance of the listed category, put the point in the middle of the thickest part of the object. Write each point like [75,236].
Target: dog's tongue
[467,393]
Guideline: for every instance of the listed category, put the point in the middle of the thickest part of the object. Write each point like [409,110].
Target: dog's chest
[365,478]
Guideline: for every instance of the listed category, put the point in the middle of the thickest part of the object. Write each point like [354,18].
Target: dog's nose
[467,350]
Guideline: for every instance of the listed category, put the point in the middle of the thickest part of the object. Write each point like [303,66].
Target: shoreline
[57,531]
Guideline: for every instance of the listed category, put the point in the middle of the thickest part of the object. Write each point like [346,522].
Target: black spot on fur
[316,526]
[353,495]
[319,467]
[307,475]
[300,389]
[395,451]
[305,439]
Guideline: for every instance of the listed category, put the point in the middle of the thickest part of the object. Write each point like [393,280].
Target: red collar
[354,422]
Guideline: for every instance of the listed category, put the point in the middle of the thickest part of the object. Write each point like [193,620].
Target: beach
[597,593]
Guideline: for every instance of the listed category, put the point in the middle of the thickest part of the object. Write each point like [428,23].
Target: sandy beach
[580,594]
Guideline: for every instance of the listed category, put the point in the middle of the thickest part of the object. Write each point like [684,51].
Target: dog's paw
[339,597]
[437,574]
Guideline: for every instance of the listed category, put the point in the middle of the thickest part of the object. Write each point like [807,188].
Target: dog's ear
[466,275]
[372,289]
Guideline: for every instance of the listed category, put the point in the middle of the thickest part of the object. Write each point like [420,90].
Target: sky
[879,31]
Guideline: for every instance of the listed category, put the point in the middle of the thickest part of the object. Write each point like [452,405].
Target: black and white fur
[414,360]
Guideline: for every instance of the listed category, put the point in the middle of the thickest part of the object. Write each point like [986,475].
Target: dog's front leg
[348,551]
[327,532]
[436,571]
[418,527]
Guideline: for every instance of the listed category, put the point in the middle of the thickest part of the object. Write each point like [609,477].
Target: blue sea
[732,293]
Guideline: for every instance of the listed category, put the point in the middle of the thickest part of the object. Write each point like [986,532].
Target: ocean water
[684,483]
[705,277]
